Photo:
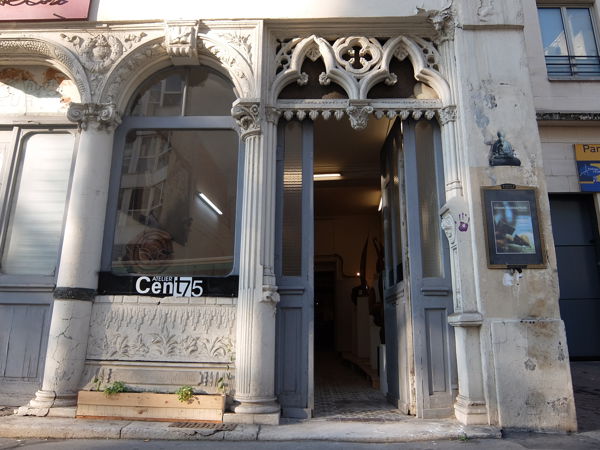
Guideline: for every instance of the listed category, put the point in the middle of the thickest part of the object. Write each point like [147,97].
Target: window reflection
[163,226]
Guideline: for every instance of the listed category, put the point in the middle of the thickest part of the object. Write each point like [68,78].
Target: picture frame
[512,228]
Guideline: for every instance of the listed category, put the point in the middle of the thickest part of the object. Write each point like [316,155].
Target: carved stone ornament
[359,115]
[448,224]
[247,116]
[98,53]
[502,153]
[358,55]
[357,63]
[103,116]
[270,295]
[442,21]
[177,333]
[181,42]
[447,114]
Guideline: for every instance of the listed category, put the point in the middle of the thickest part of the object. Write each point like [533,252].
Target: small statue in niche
[502,153]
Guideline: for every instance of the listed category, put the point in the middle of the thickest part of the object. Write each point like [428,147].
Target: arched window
[177,167]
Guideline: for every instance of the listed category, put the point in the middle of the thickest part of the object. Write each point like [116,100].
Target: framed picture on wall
[512,227]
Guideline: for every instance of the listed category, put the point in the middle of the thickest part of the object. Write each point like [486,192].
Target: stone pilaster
[80,260]
[257,298]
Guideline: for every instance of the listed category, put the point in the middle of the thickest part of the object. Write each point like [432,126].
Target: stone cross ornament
[502,153]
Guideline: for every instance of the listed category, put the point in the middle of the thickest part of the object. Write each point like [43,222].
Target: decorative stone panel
[162,332]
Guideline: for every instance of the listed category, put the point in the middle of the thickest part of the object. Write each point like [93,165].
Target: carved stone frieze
[241,41]
[162,333]
[247,115]
[102,116]
[127,68]
[357,63]
[181,41]
[99,53]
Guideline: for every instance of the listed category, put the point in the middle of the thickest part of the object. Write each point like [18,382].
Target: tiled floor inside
[343,393]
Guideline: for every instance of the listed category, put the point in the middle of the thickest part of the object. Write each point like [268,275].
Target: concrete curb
[407,431]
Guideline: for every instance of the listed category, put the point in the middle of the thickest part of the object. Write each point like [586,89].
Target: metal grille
[205,425]
[573,66]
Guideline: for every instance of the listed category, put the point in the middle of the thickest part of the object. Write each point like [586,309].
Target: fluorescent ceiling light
[209,203]
[326,176]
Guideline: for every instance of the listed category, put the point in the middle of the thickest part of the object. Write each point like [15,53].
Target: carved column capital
[447,114]
[102,116]
[247,115]
[358,113]
[181,41]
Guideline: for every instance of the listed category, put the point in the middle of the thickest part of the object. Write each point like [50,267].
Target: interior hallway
[343,393]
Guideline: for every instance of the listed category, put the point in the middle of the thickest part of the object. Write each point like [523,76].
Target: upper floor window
[176,204]
[569,42]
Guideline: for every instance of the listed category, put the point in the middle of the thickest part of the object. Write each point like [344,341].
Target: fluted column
[80,259]
[257,298]
[470,407]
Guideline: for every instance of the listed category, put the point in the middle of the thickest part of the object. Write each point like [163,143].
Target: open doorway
[348,304]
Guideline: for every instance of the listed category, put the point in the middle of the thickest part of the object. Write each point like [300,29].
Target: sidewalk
[586,376]
[321,430]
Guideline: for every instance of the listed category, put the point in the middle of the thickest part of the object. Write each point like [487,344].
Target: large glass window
[176,204]
[36,212]
[569,41]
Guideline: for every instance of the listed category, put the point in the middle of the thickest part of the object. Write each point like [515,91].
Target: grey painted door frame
[430,298]
[294,354]
[436,379]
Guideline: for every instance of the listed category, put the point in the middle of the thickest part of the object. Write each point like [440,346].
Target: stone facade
[511,357]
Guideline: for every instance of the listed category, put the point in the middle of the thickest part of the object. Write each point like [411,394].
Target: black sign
[167,285]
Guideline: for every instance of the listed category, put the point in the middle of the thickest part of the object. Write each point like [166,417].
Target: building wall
[567,95]
[512,364]
[559,155]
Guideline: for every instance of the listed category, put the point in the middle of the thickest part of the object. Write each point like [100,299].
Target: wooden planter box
[150,406]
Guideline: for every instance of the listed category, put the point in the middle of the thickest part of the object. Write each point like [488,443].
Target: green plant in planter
[115,388]
[224,381]
[185,393]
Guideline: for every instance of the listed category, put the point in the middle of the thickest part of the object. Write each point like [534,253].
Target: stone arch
[357,78]
[153,55]
[33,50]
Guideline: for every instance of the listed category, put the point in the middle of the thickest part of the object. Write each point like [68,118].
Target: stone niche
[161,344]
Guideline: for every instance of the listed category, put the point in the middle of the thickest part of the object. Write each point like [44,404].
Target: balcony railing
[566,66]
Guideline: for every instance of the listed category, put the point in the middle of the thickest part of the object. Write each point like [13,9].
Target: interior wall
[345,236]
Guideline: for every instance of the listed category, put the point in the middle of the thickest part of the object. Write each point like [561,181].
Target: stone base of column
[47,403]
[256,405]
[470,412]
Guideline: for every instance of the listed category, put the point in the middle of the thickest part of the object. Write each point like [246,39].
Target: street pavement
[53,433]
